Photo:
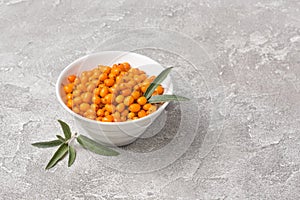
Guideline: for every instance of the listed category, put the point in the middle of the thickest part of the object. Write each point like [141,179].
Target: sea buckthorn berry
[121,67]
[108,98]
[115,71]
[96,91]
[71,78]
[109,82]
[108,118]
[96,99]
[110,108]
[112,89]
[87,97]
[68,88]
[135,118]
[84,107]
[112,76]
[100,113]
[70,103]
[147,106]
[99,119]
[126,92]
[135,94]
[103,91]
[119,99]
[103,77]
[77,100]
[128,100]
[135,107]
[94,107]
[159,89]
[144,87]
[106,113]
[120,107]
[131,115]
[69,96]
[107,70]
[154,93]
[126,66]
[152,109]
[141,113]
[142,100]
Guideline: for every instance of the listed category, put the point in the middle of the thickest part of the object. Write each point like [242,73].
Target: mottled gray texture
[238,60]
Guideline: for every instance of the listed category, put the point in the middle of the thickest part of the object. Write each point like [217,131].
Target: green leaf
[166,97]
[63,140]
[158,80]
[47,144]
[95,147]
[72,155]
[66,129]
[58,155]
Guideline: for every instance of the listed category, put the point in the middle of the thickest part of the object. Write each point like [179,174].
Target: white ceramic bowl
[113,133]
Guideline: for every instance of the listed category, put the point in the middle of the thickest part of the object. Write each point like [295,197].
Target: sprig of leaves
[161,98]
[66,146]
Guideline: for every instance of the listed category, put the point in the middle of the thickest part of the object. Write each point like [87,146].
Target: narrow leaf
[47,144]
[61,138]
[158,80]
[95,147]
[66,129]
[58,155]
[72,155]
[166,97]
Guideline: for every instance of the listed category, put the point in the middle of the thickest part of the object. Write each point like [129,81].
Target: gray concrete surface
[238,138]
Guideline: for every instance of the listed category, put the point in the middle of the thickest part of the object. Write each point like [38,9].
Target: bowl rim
[62,76]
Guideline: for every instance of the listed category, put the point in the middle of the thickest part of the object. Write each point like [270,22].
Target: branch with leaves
[66,146]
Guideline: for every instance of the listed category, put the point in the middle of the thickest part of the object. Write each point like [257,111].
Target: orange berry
[112,76]
[141,113]
[134,107]
[110,108]
[103,91]
[128,100]
[108,98]
[108,118]
[99,118]
[135,94]
[142,100]
[94,107]
[126,66]
[96,91]
[131,115]
[70,103]
[103,77]
[159,89]
[71,78]
[69,96]
[100,113]
[106,113]
[147,106]
[109,82]
[96,99]
[115,71]
[68,88]
[152,109]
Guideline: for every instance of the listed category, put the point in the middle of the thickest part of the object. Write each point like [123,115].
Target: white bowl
[113,133]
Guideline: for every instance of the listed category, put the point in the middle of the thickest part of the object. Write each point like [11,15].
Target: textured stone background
[249,151]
